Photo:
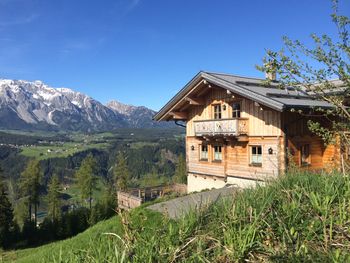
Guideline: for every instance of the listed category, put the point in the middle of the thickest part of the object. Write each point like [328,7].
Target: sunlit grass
[298,218]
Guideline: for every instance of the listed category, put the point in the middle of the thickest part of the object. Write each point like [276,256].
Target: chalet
[240,131]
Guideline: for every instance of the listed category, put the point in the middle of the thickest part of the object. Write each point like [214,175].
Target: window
[256,155]
[236,110]
[217,111]
[305,154]
[217,153]
[204,152]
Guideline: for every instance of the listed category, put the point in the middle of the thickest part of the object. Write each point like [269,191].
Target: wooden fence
[136,196]
[128,201]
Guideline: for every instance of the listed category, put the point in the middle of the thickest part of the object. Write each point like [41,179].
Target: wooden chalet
[240,131]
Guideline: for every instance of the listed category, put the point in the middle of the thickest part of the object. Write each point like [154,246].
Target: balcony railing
[228,127]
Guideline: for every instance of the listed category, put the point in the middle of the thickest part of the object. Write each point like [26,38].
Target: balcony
[225,127]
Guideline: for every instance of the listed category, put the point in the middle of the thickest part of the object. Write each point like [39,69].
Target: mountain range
[35,105]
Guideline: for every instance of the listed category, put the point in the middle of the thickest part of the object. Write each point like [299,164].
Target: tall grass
[300,217]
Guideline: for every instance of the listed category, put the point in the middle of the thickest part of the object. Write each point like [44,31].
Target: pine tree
[109,201]
[121,173]
[30,183]
[153,178]
[86,178]
[53,198]
[6,215]
[181,171]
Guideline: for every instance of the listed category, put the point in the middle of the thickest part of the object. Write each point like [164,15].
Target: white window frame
[255,159]
[203,155]
[217,115]
[237,113]
[217,155]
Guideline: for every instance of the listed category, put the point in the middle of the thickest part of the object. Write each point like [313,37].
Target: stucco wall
[243,183]
[198,183]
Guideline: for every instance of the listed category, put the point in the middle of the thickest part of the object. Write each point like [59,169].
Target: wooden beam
[184,108]
[177,104]
[179,115]
[195,101]
[205,89]
[243,138]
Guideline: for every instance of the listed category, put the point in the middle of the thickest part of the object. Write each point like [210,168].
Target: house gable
[251,88]
[260,120]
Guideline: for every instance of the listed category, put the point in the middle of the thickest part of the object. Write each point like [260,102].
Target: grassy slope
[88,240]
[297,218]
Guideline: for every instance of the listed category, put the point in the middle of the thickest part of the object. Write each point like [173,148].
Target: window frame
[201,151]
[251,155]
[236,113]
[217,113]
[214,153]
[308,159]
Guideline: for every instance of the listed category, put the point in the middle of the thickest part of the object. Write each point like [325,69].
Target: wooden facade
[233,139]
[261,120]
[266,128]
[321,156]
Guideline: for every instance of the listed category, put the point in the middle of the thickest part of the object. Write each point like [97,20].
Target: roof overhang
[204,80]
[179,97]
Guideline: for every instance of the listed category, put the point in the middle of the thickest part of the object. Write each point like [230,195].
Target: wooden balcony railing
[228,127]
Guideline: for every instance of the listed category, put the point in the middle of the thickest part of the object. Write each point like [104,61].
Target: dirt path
[182,205]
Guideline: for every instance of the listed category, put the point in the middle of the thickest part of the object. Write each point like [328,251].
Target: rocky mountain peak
[35,105]
[122,108]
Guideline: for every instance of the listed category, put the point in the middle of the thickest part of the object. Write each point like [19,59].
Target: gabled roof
[252,88]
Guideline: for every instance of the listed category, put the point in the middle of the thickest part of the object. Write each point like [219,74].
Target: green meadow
[60,150]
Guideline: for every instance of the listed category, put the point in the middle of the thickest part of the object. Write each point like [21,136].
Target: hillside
[68,249]
[297,218]
[37,106]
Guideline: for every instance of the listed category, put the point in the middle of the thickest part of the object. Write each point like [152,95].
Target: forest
[51,197]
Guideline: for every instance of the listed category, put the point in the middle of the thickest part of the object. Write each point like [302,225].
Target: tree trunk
[35,212]
[30,212]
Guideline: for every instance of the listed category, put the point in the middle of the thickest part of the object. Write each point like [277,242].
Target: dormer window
[217,111]
[236,110]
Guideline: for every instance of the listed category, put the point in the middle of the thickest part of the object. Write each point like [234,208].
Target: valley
[151,157]
[58,149]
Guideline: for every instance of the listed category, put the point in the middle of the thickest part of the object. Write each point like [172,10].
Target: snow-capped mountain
[34,105]
[136,116]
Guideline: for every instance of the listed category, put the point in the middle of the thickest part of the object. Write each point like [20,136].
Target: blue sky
[142,52]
